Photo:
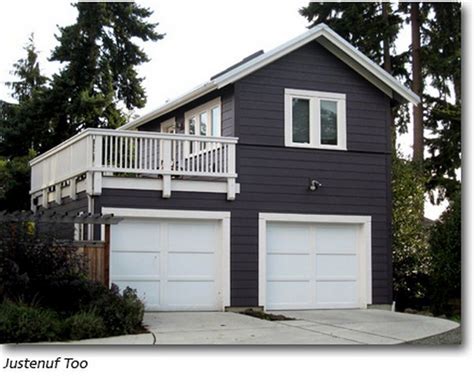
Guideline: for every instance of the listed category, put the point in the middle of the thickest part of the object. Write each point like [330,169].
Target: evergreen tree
[442,57]
[373,28]
[23,125]
[23,130]
[99,78]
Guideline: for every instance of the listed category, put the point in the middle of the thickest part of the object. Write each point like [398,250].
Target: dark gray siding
[260,98]
[274,178]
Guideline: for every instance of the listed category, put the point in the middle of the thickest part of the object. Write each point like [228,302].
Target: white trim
[315,98]
[326,37]
[168,124]
[221,216]
[364,248]
[157,184]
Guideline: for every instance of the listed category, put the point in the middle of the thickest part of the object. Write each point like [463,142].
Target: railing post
[97,164]
[231,172]
[166,159]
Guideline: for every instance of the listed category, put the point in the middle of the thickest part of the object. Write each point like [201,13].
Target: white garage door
[173,264]
[311,266]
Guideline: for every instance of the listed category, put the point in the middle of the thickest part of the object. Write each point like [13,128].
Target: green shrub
[445,245]
[23,323]
[83,325]
[122,313]
[30,262]
[411,259]
[70,296]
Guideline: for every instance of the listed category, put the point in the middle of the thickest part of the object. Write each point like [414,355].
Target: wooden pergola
[55,217]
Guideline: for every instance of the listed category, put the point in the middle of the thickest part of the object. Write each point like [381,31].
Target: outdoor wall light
[314,185]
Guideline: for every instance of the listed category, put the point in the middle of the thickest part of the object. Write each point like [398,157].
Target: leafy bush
[445,245]
[411,260]
[37,270]
[29,263]
[84,325]
[23,323]
[122,313]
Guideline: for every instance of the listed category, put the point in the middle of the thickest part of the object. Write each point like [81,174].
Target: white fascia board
[269,57]
[170,106]
[370,65]
[320,30]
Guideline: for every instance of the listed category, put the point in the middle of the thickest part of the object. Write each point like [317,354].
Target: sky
[202,38]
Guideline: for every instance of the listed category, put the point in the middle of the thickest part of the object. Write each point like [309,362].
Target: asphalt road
[451,337]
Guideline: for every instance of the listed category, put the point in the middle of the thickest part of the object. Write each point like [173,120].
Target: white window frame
[195,112]
[168,126]
[315,98]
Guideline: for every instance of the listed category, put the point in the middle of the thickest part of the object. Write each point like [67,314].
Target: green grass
[266,316]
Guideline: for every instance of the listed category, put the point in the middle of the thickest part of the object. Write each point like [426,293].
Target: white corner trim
[364,248]
[157,185]
[224,217]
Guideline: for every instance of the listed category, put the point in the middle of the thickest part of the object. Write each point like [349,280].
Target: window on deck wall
[315,119]
[204,120]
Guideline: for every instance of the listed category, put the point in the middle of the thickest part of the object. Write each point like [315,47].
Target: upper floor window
[168,126]
[315,119]
[204,120]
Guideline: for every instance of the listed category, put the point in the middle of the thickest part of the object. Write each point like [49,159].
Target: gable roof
[322,34]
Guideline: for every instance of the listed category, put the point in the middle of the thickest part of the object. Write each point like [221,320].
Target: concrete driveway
[312,327]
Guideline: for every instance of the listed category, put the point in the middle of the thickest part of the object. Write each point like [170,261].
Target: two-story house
[269,185]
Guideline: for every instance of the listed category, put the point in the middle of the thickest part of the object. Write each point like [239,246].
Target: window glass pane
[203,124]
[328,122]
[192,126]
[300,120]
[216,121]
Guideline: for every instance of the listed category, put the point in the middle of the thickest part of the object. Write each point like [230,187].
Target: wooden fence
[97,260]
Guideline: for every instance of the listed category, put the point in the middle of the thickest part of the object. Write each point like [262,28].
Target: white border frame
[364,248]
[315,98]
[221,216]
[195,112]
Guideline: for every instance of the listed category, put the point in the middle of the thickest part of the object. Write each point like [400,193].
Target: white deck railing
[102,151]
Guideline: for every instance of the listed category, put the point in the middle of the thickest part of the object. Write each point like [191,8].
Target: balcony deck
[95,158]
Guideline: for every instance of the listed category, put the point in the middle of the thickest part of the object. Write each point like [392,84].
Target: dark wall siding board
[274,178]
[369,199]
[311,67]
[72,207]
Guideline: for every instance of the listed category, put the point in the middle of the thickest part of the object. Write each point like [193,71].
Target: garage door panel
[191,264]
[135,263]
[288,238]
[288,294]
[136,236]
[336,266]
[172,264]
[331,238]
[191,295]
[191,236]
[147,291]
[336,293]
[288,265]
[312,265]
